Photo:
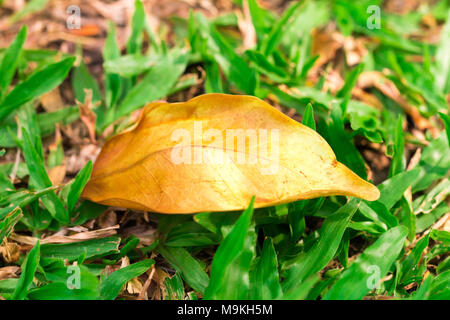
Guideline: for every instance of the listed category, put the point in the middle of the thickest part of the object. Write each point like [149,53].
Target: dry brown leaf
[57,174]
[10,251]
[355,50]
[213,153]
[333,81]
[443,223]
[57,238]
[9,272]
[58,139]
[134,286]
[143,293]
[107,219]
[387,87]
[401,6]
[78,159]
[144,232]
[368,98]
[325,44]
[245,25]
[414,161]
[420,136]
[87,115]
[160,276]
[52,101]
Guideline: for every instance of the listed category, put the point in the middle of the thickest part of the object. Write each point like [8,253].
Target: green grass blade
[322,251]
[81,80]
[392,189]
[260,19]
[346,91]
[266,67]
[398,160]
[30,7]
[60,291]
[110,287]
[440,290]
[7,224]
[377,212]
[130,65]
[10,60]
[110,52]
[189,268]
[134,43]
[423,292]
[228,280]
[264,278]
[67,282]
[342,144]
[20,199]
[28,269]
[407,217]
[233,66]
[213,81]
[408,265]
[174,288]
[46,122]
[273,39]
[301,291]
[78,185]
[37,84]
[308,117]
[424,221]
[155,84]
[442,70]
[90,248]
[374,263]
[434,163]
[44,79]
[446,119]
[39,179]
[7,286]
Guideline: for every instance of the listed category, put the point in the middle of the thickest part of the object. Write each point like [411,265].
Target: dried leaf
[107,219]
[387,87]
[246,27]
[57,174]
[87,115]
[77,237]
[9,272]
[143,293]
[325,44]
[213,153]
[10,251]
[52,101]
[355,50]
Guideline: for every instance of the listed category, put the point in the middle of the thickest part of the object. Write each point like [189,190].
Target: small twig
[146,285]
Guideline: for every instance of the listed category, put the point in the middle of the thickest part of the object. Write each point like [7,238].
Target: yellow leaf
[213,153]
